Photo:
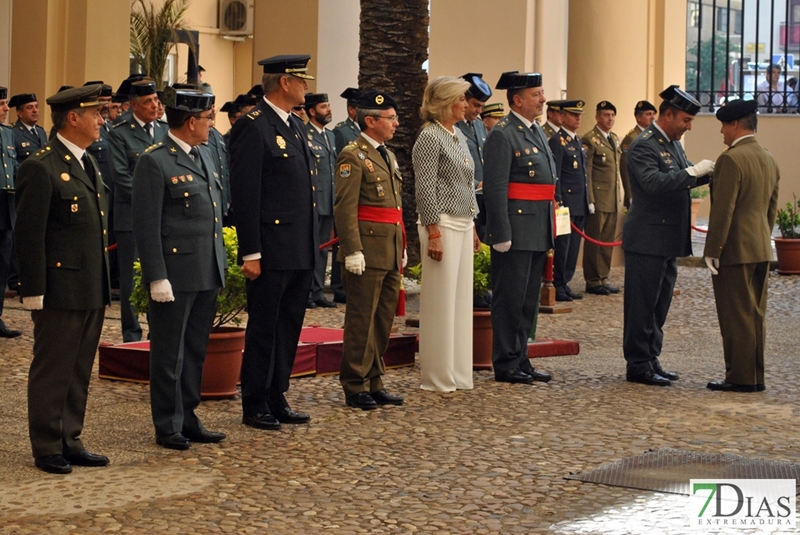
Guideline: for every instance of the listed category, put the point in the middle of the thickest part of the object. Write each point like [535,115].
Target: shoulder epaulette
[153,147]
[351,146]
[119,124]
[253,115]
[633,131]
[43,151]
[338,125]
[503,122]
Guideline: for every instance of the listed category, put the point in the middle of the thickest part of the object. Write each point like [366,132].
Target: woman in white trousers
[446,204]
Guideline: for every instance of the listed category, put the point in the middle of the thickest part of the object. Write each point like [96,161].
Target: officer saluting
[519,180]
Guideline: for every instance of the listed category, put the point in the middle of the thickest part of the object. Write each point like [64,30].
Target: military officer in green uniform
[491,115]
[657,231]
[322,143]
[645,114]
[28,136]
[603,154]
[8,213]
[519,181]
[472,126]
[177,222]
[738,250]
[369,219]
[62,211]
[553,122]
[348,130]
[129,139]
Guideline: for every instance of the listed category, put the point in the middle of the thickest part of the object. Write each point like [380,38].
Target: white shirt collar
[135,118]
[284,115]
[738,139]
[72,147]
[320,130]
[523,119]
[181,143]
[573,134]
[603,131]
[659,129]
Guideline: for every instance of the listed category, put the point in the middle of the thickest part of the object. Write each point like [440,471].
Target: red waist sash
[377,214]
[519,191]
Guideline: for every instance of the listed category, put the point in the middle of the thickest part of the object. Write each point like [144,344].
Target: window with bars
[744,49]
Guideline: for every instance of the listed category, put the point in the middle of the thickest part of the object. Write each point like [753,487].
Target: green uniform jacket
[515,153]
[8,155]
[744,201]
[62,218]
[128,142]
[548,130]
[476,134]
[218,152]
[362,179]
[325,156]
[623,162]
[602,169]
[177,219]
[346,132]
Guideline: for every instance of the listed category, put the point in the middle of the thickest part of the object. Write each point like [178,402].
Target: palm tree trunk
[393,47]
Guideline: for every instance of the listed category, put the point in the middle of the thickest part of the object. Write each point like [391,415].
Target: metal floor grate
[669,470]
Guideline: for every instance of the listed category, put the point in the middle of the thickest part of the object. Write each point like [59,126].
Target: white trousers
[445,318]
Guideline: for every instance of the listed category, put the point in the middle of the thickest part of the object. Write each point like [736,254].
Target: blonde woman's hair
[439,97]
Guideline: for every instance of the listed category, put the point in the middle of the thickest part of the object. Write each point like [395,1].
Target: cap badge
[379,100]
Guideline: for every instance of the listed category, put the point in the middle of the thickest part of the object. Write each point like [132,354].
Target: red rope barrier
[592,240]
[329,243]
[704,231]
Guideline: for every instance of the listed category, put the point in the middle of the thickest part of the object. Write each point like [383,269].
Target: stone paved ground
[488,461]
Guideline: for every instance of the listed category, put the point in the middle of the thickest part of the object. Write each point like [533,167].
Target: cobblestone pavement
[488,461]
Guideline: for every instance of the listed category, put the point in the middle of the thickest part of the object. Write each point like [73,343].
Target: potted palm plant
[787,246]
[226,342]
[154,31]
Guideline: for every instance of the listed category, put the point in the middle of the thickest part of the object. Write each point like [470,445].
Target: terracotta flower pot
[788,251]
[482,339]
[223,363]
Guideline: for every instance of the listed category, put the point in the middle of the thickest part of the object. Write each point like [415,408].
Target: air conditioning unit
[236,17]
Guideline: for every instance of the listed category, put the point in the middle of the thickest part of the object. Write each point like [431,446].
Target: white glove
[701,169]
[404,262]
[591,208]
[712,263]
[354,263]
[35,302]
[502,247]
[161,291]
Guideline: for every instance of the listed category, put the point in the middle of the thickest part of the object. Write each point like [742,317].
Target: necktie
[385,154]
[149,129]
[611,141]
[87,165]
[194,154]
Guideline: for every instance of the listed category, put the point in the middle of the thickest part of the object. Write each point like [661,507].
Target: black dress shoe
[5,332]
[612,289]
[362,401]
[572,294]
[724,386]
[288,416]
[514,376]
[262,421]
[598,290]
[537,375]
[175,441]
[203,436]
[324,303]
[310,303]
[85,458]
[382,397]
[562,296]
[672,376]
[340,298]
[53,464]
[649,378]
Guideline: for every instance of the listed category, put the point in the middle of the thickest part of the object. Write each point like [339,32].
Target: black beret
[736,109]
[76,97]
[604,105]
[376,100]
[294,64]
[519,80]
[312,99]
[495,109]
[477,87]
[3,93]
[571,106]
[21,99]
[352,95]
[680,99]
[643,106]
[256,91]
[191,100]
